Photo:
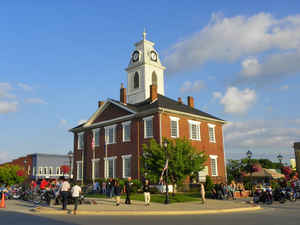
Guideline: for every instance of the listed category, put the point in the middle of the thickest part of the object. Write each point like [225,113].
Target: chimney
[100,103]
[153,92]
[123,96]
[190,101]
[179,100]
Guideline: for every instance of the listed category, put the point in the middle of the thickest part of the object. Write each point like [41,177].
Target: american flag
[163,171]
[93,143]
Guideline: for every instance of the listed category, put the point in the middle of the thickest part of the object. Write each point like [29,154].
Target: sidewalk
[107,207]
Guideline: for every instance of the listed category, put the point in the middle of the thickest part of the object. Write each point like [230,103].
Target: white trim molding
[145,119]
[124,157]
[175,119]
[198,130]
[212,139]
[114,133]
[124,124]
[214,158]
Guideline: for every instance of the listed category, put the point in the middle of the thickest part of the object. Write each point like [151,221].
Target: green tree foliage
[10,174]
[184,160]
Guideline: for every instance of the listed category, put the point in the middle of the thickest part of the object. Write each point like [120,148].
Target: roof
[168,103]
[160,102]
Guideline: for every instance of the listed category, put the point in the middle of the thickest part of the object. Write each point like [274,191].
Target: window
[136,80]
[154,78]
[174,127]
[58,170]
[126,166]
[96,168]
[96,136]
[110,170]
[211,132]
[45,170]
[50,170]
[81,140]
[148,127]
[194,130]
[126,131]
[33,171]
[110,132]
[40,170]
[214,165]
[79,170]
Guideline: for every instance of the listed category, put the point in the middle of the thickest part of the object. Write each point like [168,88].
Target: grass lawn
[159,198]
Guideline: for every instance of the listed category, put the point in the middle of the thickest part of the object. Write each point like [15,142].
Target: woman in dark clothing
[117,192]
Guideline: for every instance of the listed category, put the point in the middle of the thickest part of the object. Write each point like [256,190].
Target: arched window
[154,78]
[136,80]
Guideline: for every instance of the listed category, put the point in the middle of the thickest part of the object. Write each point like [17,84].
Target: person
[202,192]
[127,190]
[117,192]
[33,185]
[96,187]
[43,184]
[104,187]
[146,190]
[64,191]
[76,190]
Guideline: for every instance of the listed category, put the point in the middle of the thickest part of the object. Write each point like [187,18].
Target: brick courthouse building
[142,113]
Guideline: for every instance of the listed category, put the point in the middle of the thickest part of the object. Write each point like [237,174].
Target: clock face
[135,56]
[153,56]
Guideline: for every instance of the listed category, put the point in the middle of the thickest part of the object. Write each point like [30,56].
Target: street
[287,214]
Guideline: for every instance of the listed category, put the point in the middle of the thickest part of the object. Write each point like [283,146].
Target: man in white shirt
[64,191]
[76,190]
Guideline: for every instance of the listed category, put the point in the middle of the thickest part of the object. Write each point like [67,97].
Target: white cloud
[25,87]
[217,95]
[260,135]
[5,89]
[250,67]
[227,39]
[4,157]
[284,88]
[6,107]
[194,86]
[236,101]
[35,101]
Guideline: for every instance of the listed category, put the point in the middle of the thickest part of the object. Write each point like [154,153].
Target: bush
[154,190]
[209,185]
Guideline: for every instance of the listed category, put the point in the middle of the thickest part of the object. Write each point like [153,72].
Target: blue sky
[239,60]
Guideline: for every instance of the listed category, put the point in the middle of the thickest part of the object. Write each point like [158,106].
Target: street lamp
[166,167]
[280,158]
[249,155]
[70,155]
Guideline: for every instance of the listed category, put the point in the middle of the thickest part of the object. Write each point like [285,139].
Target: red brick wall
[134,147]
[204,145]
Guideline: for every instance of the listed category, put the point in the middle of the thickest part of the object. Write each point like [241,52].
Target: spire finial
[144,34]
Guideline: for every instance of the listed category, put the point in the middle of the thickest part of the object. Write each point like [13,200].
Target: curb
[145,213]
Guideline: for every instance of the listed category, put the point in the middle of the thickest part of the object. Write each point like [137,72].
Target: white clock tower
[144,69]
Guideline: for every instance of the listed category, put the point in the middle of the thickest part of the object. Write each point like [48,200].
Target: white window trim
[106,159]
[176,119]
[215,157]
[123,164]
[34,171]
[40,172]
[197,123]
[94,136]
[50,168]
[145,120]
[123,131]
[212,126]
[114,133]
[77,169]
[78,140]
[93,167]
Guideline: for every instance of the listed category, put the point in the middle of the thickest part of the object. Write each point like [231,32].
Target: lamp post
[166,167]
[249,155]
[70,155]
[25,166]
[280,158]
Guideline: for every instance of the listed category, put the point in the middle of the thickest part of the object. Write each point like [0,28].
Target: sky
[239,60]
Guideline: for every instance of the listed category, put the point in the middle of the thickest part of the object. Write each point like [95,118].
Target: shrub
[209,186]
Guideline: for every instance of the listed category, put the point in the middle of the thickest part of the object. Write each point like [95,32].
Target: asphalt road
[286,214]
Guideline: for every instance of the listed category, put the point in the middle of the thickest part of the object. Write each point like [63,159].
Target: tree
[11,174]
[65,169]
[183,160]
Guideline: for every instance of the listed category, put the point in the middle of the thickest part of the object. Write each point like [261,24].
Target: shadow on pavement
[16,218]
